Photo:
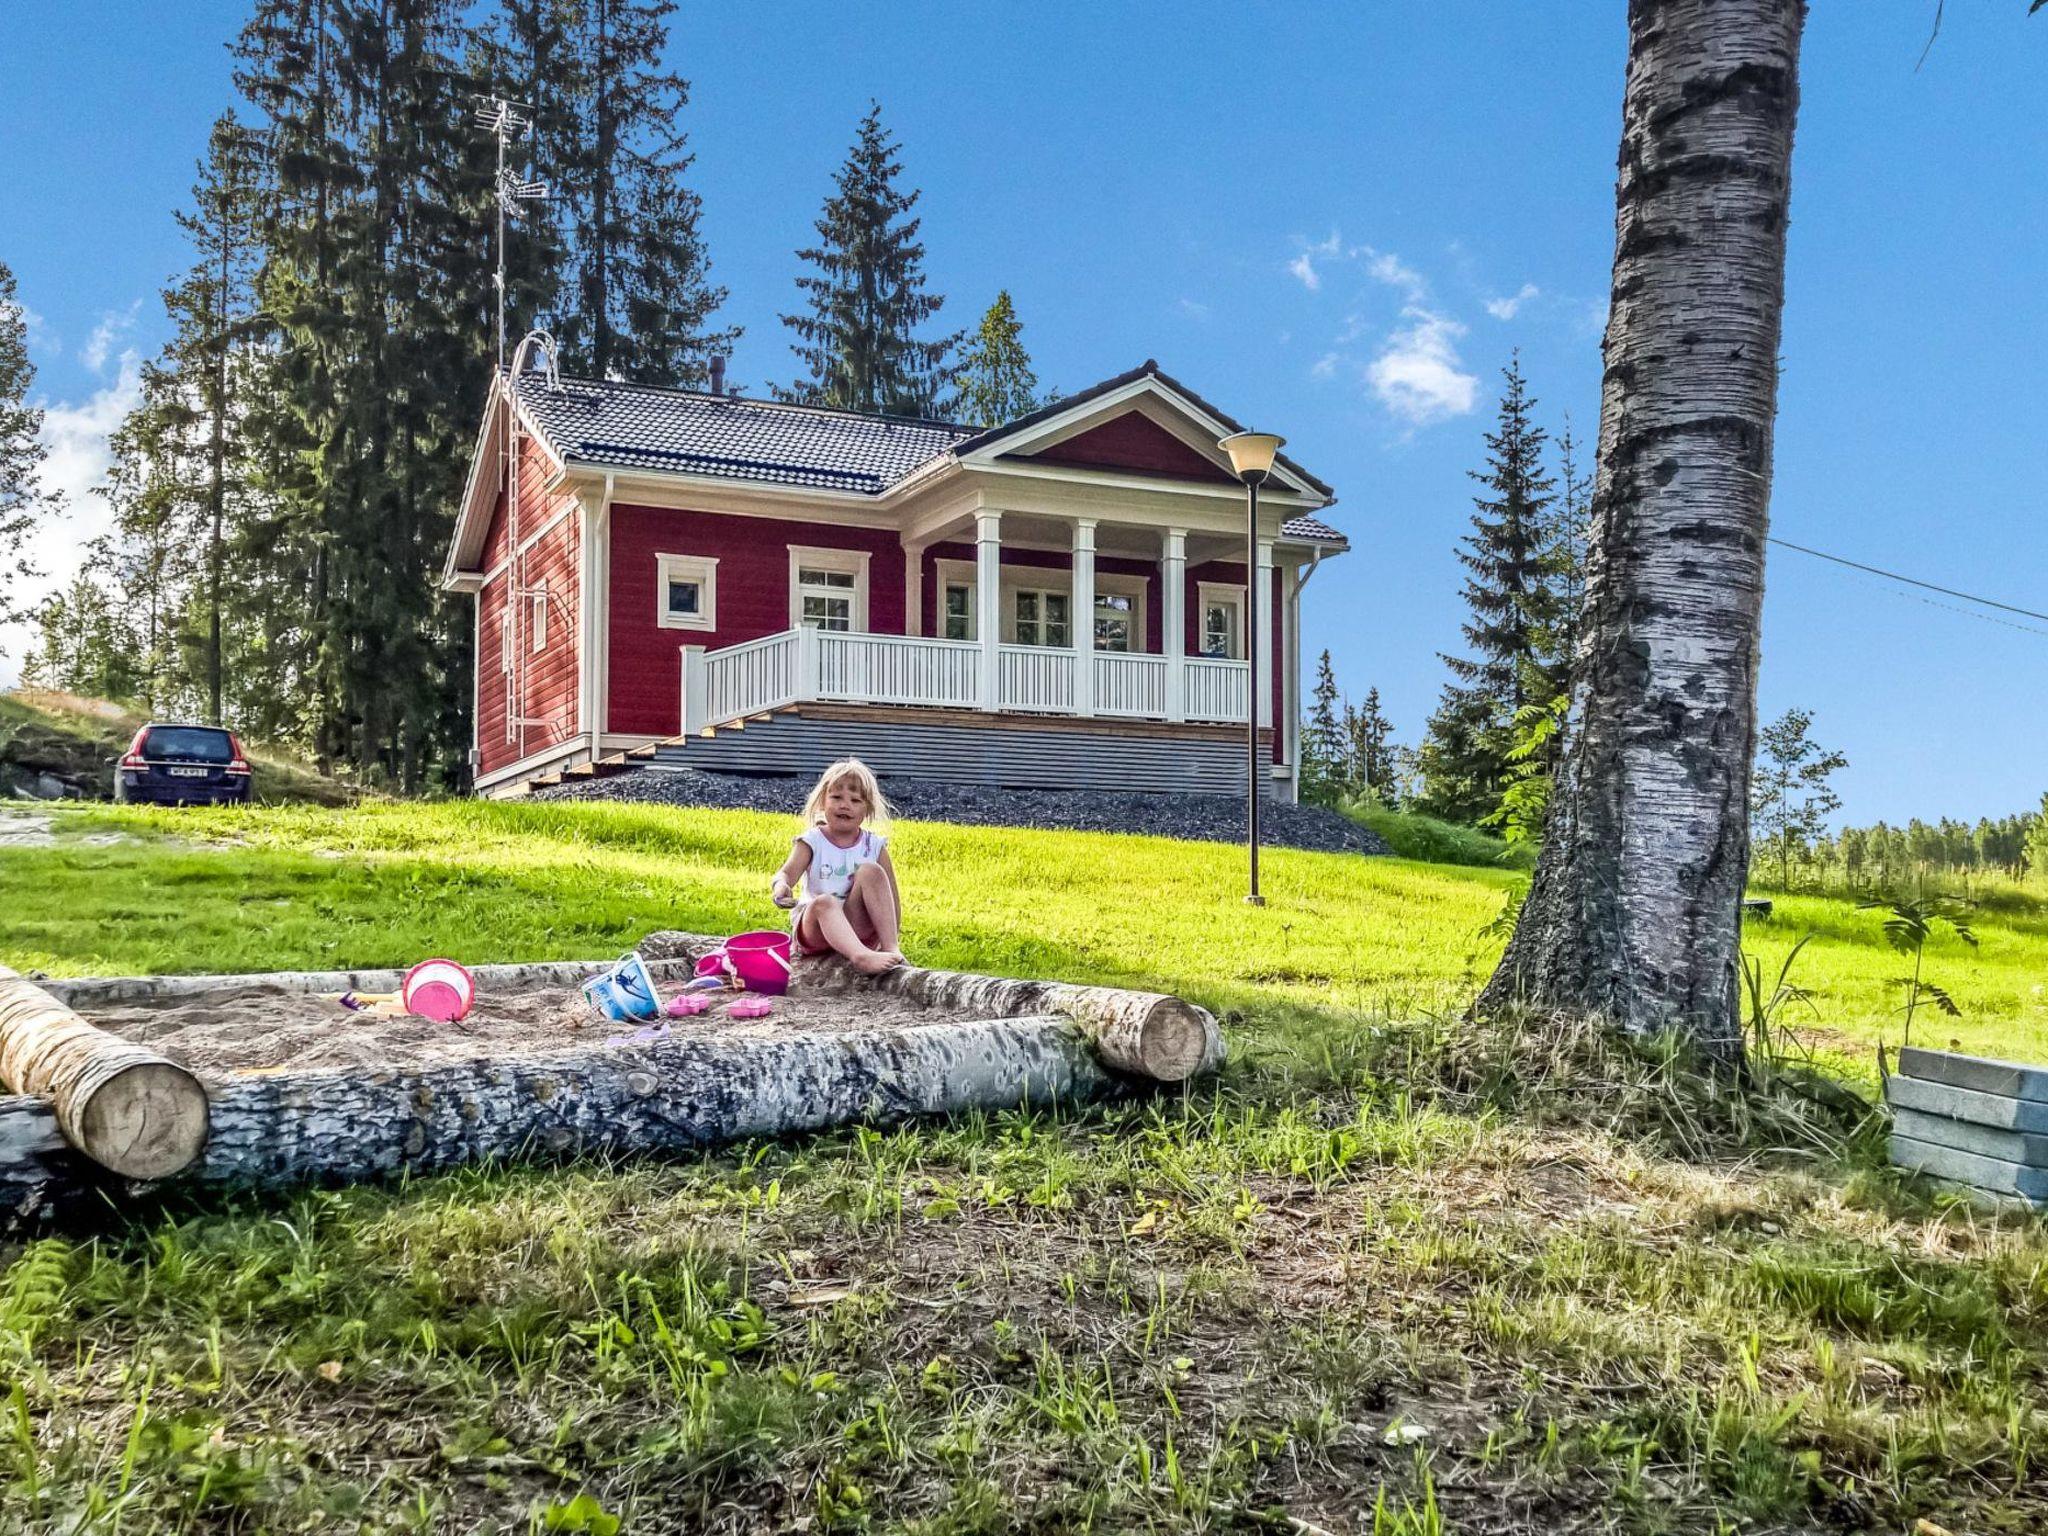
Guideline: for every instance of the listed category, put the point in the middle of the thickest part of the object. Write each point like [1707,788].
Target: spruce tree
[857,339]
[1325,760]
[213,308]
[1371,750]
[1565,547]
[1513,623]
[23,501]
[636,300]
[996,383]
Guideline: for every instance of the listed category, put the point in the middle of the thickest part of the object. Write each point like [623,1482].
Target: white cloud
[1419,376]
[1193,310]
[1388,268]
[99,346]
[1325,367]
[1504,309]
[1312,261]
[77,437]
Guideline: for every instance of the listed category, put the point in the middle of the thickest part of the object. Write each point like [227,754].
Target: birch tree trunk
[1635,909]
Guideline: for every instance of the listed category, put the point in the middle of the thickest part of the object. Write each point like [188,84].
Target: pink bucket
[438,989]
[760,960]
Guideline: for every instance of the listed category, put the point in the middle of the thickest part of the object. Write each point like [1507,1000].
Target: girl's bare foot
[875,961]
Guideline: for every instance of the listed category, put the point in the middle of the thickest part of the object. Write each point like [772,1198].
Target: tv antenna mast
[505,120]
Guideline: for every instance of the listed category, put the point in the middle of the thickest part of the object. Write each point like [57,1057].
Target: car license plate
[188,773]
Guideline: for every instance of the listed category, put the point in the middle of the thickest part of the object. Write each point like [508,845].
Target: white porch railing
[801,664]
[1131,685]
[746,679]
[1217,690]
[1036,679]
[897,669]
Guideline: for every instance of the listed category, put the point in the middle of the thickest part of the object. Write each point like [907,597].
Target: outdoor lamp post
[1251,458]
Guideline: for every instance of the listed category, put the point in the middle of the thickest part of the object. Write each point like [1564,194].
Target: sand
[250,1030]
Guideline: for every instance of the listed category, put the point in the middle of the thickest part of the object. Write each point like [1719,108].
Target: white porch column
[1081,603]
[1173,621]
[913,589]
[1269,639]
[1291,682]
[696,690]
[988,603]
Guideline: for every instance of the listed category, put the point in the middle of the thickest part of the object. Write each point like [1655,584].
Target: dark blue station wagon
[183,765]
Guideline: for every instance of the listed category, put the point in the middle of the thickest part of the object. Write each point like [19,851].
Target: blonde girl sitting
[850,901]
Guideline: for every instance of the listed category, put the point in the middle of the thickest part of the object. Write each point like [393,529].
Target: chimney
[718,373]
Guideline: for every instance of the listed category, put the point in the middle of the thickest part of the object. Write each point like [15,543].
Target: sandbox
[265,1082]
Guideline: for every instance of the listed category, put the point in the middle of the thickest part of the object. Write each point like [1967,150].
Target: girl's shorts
[796,929]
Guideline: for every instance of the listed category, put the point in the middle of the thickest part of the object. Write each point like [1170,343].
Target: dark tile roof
[636,426]
[1312,530]
[639,426]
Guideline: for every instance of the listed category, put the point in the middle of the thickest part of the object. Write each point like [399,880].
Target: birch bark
[1634,912]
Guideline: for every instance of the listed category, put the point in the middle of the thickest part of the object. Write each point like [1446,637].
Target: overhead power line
[1913,581]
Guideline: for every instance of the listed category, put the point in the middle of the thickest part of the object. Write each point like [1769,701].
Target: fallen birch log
[1005,1044]
[120,1104]
[1147,1034]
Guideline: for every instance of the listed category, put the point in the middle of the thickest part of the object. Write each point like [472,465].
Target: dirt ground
[245,1030]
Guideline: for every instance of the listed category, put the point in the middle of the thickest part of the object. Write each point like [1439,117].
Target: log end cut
[1146,1034]
[1174,1042]
[148,1121]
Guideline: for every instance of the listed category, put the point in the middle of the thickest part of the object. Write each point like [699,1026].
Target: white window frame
[1043,578]
[852,561]
[703,570]
[538,596]
[1117,584]
[1011,618]
[1227,591]
[973,603]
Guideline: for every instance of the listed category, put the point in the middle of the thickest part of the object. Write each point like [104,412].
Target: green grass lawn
[1325,1289]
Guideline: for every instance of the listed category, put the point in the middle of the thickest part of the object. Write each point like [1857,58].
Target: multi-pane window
[828,588]
[1116,622]
[959,611]
[826,596]
[686,592]
[1223,625]
[1044,618]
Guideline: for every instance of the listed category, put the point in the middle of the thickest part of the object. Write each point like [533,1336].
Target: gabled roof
[613,425]
[991,437]
[636,426]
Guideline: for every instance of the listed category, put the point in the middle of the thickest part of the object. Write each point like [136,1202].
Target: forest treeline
[283,494]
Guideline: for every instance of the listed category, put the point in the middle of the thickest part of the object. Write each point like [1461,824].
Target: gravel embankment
[1202,818]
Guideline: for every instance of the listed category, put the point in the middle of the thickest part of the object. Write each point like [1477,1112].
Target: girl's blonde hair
[864,779]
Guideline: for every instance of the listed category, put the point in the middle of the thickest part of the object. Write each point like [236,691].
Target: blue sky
[1336,222]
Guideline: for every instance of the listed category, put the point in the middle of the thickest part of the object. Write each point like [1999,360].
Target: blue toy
[626,991]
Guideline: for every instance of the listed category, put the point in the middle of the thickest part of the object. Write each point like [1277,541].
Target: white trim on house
[564,754]
[1038,578]
[703,570]
[1143,391]
[849,562]
[1231,592]
[537,621]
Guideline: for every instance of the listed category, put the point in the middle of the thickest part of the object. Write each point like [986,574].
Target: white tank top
[832,867]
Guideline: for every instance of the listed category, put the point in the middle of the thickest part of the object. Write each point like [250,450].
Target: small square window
[687,592]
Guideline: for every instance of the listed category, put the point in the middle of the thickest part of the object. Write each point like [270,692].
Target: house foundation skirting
[995,751]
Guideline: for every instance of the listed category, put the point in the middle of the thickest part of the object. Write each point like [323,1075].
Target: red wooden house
[670,578]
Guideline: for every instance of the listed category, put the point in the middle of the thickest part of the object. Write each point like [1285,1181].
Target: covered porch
[1085,618]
